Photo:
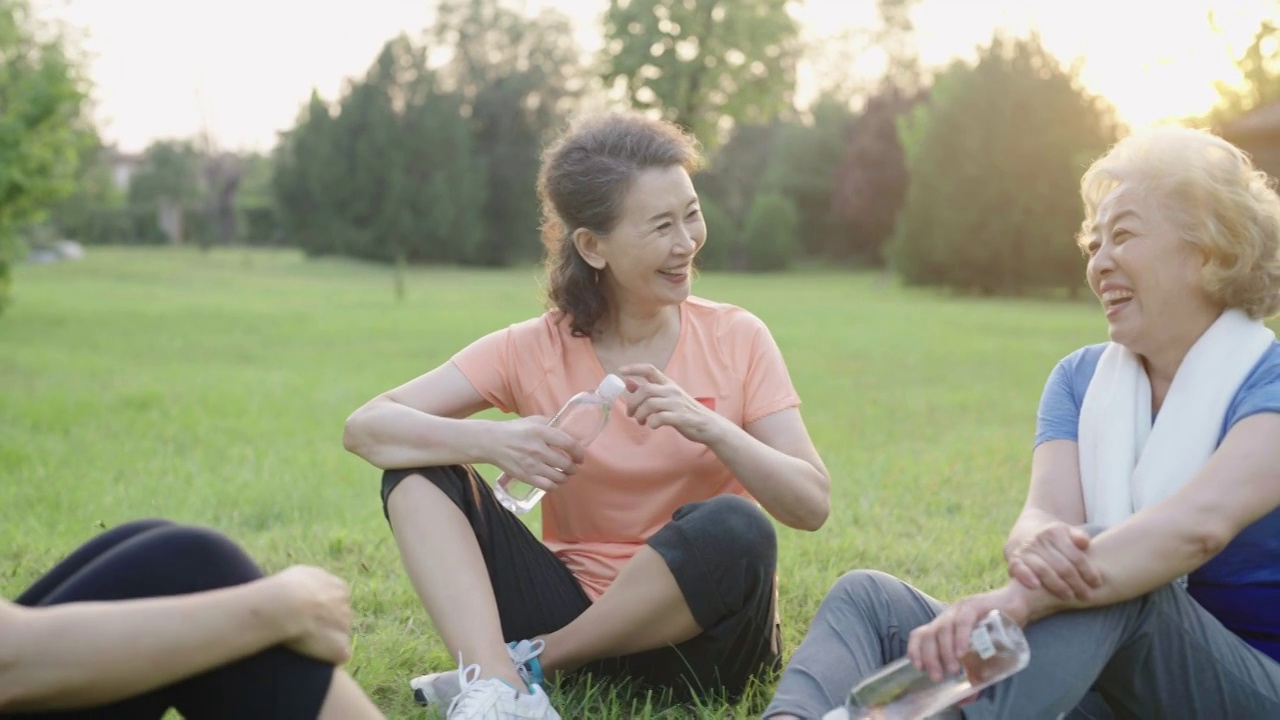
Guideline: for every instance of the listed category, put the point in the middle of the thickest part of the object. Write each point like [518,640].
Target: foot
[442,687]
[492,699]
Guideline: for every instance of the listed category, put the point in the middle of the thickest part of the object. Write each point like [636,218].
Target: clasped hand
[1056,560]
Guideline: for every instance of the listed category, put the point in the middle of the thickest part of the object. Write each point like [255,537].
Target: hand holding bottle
[937,647]
[530,450]
[657,401]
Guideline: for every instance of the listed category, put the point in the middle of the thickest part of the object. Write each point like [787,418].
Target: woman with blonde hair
[1145,565]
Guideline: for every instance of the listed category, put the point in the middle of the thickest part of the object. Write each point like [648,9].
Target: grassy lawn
[212,389]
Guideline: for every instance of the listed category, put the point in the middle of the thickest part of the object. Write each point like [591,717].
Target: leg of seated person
[83,555]
[693,611]
[863,623]
[177,560]
[483,577]
[1159,655]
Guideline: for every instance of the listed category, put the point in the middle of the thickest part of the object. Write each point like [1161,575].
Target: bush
[769,237]
[723,237]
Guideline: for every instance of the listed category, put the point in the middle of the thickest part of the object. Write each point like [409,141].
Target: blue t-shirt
[1241,585]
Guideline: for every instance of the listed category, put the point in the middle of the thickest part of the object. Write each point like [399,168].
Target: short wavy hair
[1224,206]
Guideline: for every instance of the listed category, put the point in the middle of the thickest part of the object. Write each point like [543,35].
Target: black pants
[152,558]
[722,552]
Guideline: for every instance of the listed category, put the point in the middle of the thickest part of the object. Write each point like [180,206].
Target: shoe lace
[524,654]
[466,701]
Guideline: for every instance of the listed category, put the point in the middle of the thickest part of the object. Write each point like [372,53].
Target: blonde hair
[1223,205]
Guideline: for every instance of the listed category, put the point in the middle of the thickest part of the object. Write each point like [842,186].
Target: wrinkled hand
[656,401]
[529,450]
[1055,559]
[318,613]
[937,647]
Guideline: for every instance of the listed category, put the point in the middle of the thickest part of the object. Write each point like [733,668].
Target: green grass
[212,389]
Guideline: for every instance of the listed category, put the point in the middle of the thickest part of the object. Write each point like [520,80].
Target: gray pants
[1158,656]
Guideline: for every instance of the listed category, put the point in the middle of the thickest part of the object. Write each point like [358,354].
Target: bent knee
[739,527]
[185,549]
[865,586]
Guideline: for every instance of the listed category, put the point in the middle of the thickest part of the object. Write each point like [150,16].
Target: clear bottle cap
[611,387]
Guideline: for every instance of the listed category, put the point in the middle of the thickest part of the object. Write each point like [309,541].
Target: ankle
[506,672]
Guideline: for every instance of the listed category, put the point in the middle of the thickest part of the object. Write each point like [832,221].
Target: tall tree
[994,160]
[516,76]
[705,65]
[44,129]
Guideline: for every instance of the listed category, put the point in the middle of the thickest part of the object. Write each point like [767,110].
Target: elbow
[355,434]
[1209,540]
[817,510]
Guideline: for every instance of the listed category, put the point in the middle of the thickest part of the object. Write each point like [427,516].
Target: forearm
[1142,554]
[789,488]
[390,436]
[92,653]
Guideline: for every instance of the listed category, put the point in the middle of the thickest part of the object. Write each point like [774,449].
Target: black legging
[151,558]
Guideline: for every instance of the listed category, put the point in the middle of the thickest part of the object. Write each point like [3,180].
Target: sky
[244,68]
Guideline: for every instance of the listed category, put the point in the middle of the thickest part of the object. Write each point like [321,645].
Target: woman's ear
[588,245]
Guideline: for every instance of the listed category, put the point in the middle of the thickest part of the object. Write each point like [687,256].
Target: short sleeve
[767,387]
[1058,417]
[487,364]
[1260,392]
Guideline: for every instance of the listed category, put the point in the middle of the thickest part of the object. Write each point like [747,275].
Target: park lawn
[212,389]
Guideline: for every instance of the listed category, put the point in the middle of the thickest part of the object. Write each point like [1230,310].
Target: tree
[391,176]
[516,77]
[804,168]
[167,190]
[1259,67]
[870,182]
[994,160]
[703,64]
[769,235]
[44,130]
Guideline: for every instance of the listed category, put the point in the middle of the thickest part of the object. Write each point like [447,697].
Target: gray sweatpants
[1158,656]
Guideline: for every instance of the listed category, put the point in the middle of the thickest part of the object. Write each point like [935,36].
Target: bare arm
[1054,495]
[1239,485]
[776,462]
[84,654]
[426,423]
[421,423]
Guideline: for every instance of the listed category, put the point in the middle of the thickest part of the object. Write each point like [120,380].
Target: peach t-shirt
[633,477]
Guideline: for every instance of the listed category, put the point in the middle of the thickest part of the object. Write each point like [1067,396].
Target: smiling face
[1148,278]
[647,258]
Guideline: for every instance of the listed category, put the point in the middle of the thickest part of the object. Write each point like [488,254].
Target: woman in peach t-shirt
[656,561]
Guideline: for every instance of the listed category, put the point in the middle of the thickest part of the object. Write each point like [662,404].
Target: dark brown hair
[584,177]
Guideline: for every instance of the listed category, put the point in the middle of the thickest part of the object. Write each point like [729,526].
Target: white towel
[1126,464]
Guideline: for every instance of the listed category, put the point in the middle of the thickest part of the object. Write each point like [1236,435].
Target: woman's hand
[655,401]
[533,452]
[937,647]
[317,607]
[1055,559]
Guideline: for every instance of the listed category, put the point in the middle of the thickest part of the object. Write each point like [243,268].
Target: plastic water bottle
[582,418]
[898,691]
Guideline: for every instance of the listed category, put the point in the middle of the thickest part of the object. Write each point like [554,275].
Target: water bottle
[582,418]
[898,691]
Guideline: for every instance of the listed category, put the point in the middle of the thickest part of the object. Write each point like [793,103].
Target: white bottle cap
[611,387]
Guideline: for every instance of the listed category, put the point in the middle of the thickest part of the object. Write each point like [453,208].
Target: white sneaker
[493,699]
[442,687]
